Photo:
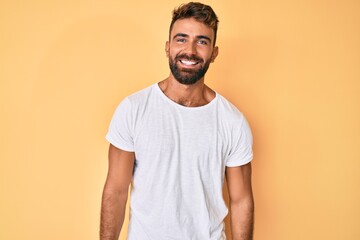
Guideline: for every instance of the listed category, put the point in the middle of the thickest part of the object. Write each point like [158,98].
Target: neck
[195,95]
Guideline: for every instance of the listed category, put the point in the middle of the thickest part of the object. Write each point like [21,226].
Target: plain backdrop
[292,67]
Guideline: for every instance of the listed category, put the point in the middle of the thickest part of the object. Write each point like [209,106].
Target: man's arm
[241,202]
[115,193]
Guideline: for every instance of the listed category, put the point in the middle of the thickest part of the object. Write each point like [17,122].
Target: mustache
[188,57]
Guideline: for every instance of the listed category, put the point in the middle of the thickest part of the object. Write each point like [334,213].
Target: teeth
[188,62]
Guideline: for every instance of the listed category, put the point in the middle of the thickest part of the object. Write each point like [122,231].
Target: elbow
[245,204]
[111,191]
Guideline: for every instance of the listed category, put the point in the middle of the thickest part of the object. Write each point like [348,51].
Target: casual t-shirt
[180,159]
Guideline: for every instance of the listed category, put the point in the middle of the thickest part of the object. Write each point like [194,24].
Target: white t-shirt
[180,159]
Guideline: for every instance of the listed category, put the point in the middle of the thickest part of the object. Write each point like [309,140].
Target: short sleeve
[241,145]
[120,133]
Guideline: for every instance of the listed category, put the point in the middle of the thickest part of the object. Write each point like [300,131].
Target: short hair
[201,12]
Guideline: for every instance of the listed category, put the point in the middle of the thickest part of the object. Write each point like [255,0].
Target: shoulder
[229,110]
[141,95]
[140,98]
[134,101]
[139,104]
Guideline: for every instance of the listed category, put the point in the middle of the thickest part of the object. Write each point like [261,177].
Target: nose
[190,48]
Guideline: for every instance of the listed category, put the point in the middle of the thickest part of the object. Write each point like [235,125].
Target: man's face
[190,50]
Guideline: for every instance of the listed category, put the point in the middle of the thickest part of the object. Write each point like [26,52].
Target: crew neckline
[166,98]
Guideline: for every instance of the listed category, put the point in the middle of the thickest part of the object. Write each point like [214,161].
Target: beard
[188,76]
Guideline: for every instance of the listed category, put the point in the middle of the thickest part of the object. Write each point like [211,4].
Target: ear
[167,48]
[214,53]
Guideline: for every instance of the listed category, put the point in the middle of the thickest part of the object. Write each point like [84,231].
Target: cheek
[174,52]
[171,51]
[207,57]
[204,52]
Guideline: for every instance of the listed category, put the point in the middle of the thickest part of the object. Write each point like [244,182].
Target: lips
[188,60]
[188,63]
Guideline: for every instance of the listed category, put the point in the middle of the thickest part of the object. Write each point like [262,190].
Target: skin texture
[241,202]
[194,40]
[115,193]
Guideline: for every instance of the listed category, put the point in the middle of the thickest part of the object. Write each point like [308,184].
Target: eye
[202,42]
[180,40]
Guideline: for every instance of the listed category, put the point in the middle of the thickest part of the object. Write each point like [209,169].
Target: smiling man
[175,142]
[193,59]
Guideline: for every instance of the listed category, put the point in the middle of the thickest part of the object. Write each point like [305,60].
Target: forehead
[191,27]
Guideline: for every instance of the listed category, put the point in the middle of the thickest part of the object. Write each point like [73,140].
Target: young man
[175,141]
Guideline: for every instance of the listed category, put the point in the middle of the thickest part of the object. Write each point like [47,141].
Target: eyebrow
[186,35]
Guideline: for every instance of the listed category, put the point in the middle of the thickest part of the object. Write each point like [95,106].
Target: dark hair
[201,12]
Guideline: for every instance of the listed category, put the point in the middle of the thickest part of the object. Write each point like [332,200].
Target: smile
[188,63]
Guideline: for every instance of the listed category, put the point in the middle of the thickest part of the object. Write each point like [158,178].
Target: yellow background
[293,68]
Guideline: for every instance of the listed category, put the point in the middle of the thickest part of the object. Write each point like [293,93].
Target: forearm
[112,215]
[242,219]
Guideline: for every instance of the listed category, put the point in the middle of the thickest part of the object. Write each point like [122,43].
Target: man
[175,141]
